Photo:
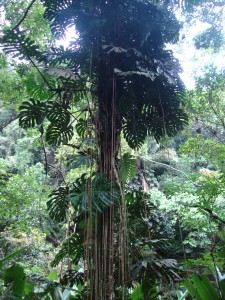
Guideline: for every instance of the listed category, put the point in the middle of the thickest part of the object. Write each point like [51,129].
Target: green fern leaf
[32,113]
[58,204]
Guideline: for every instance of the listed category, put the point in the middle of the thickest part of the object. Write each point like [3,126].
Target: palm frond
[128,167]
[161,268]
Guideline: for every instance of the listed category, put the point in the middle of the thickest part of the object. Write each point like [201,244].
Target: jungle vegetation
[111,170]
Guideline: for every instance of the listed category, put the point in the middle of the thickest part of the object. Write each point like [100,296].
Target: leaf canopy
[128,39]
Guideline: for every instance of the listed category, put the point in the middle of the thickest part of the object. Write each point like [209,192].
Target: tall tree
[117,76]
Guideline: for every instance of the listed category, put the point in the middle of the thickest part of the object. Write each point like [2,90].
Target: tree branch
[8,122]
[210,212]
[168,166]
[24,16]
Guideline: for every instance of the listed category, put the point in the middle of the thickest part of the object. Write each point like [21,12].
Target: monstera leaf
[94,193]
[56,114]
[32,113]
[135,132]
[36,88]
[58,204]
[72,247]
[18,44]
[73,277]
[82,127]
[59,16]
[59,133]
[159,267]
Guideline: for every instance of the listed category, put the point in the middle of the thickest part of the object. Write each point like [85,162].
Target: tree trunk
[108,129]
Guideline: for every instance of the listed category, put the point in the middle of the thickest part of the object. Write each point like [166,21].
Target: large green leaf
[60,18]
[128,167]
[134,131]
[14,277]
[73,248]
[18,44]
[57,114]
[201,288]
[58,204]
[205,288]
[12,255]
[94,193]
[59,133]
[32,113]
[83,127]
[37,90]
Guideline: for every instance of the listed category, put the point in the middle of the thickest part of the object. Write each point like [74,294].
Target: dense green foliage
[84,215]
